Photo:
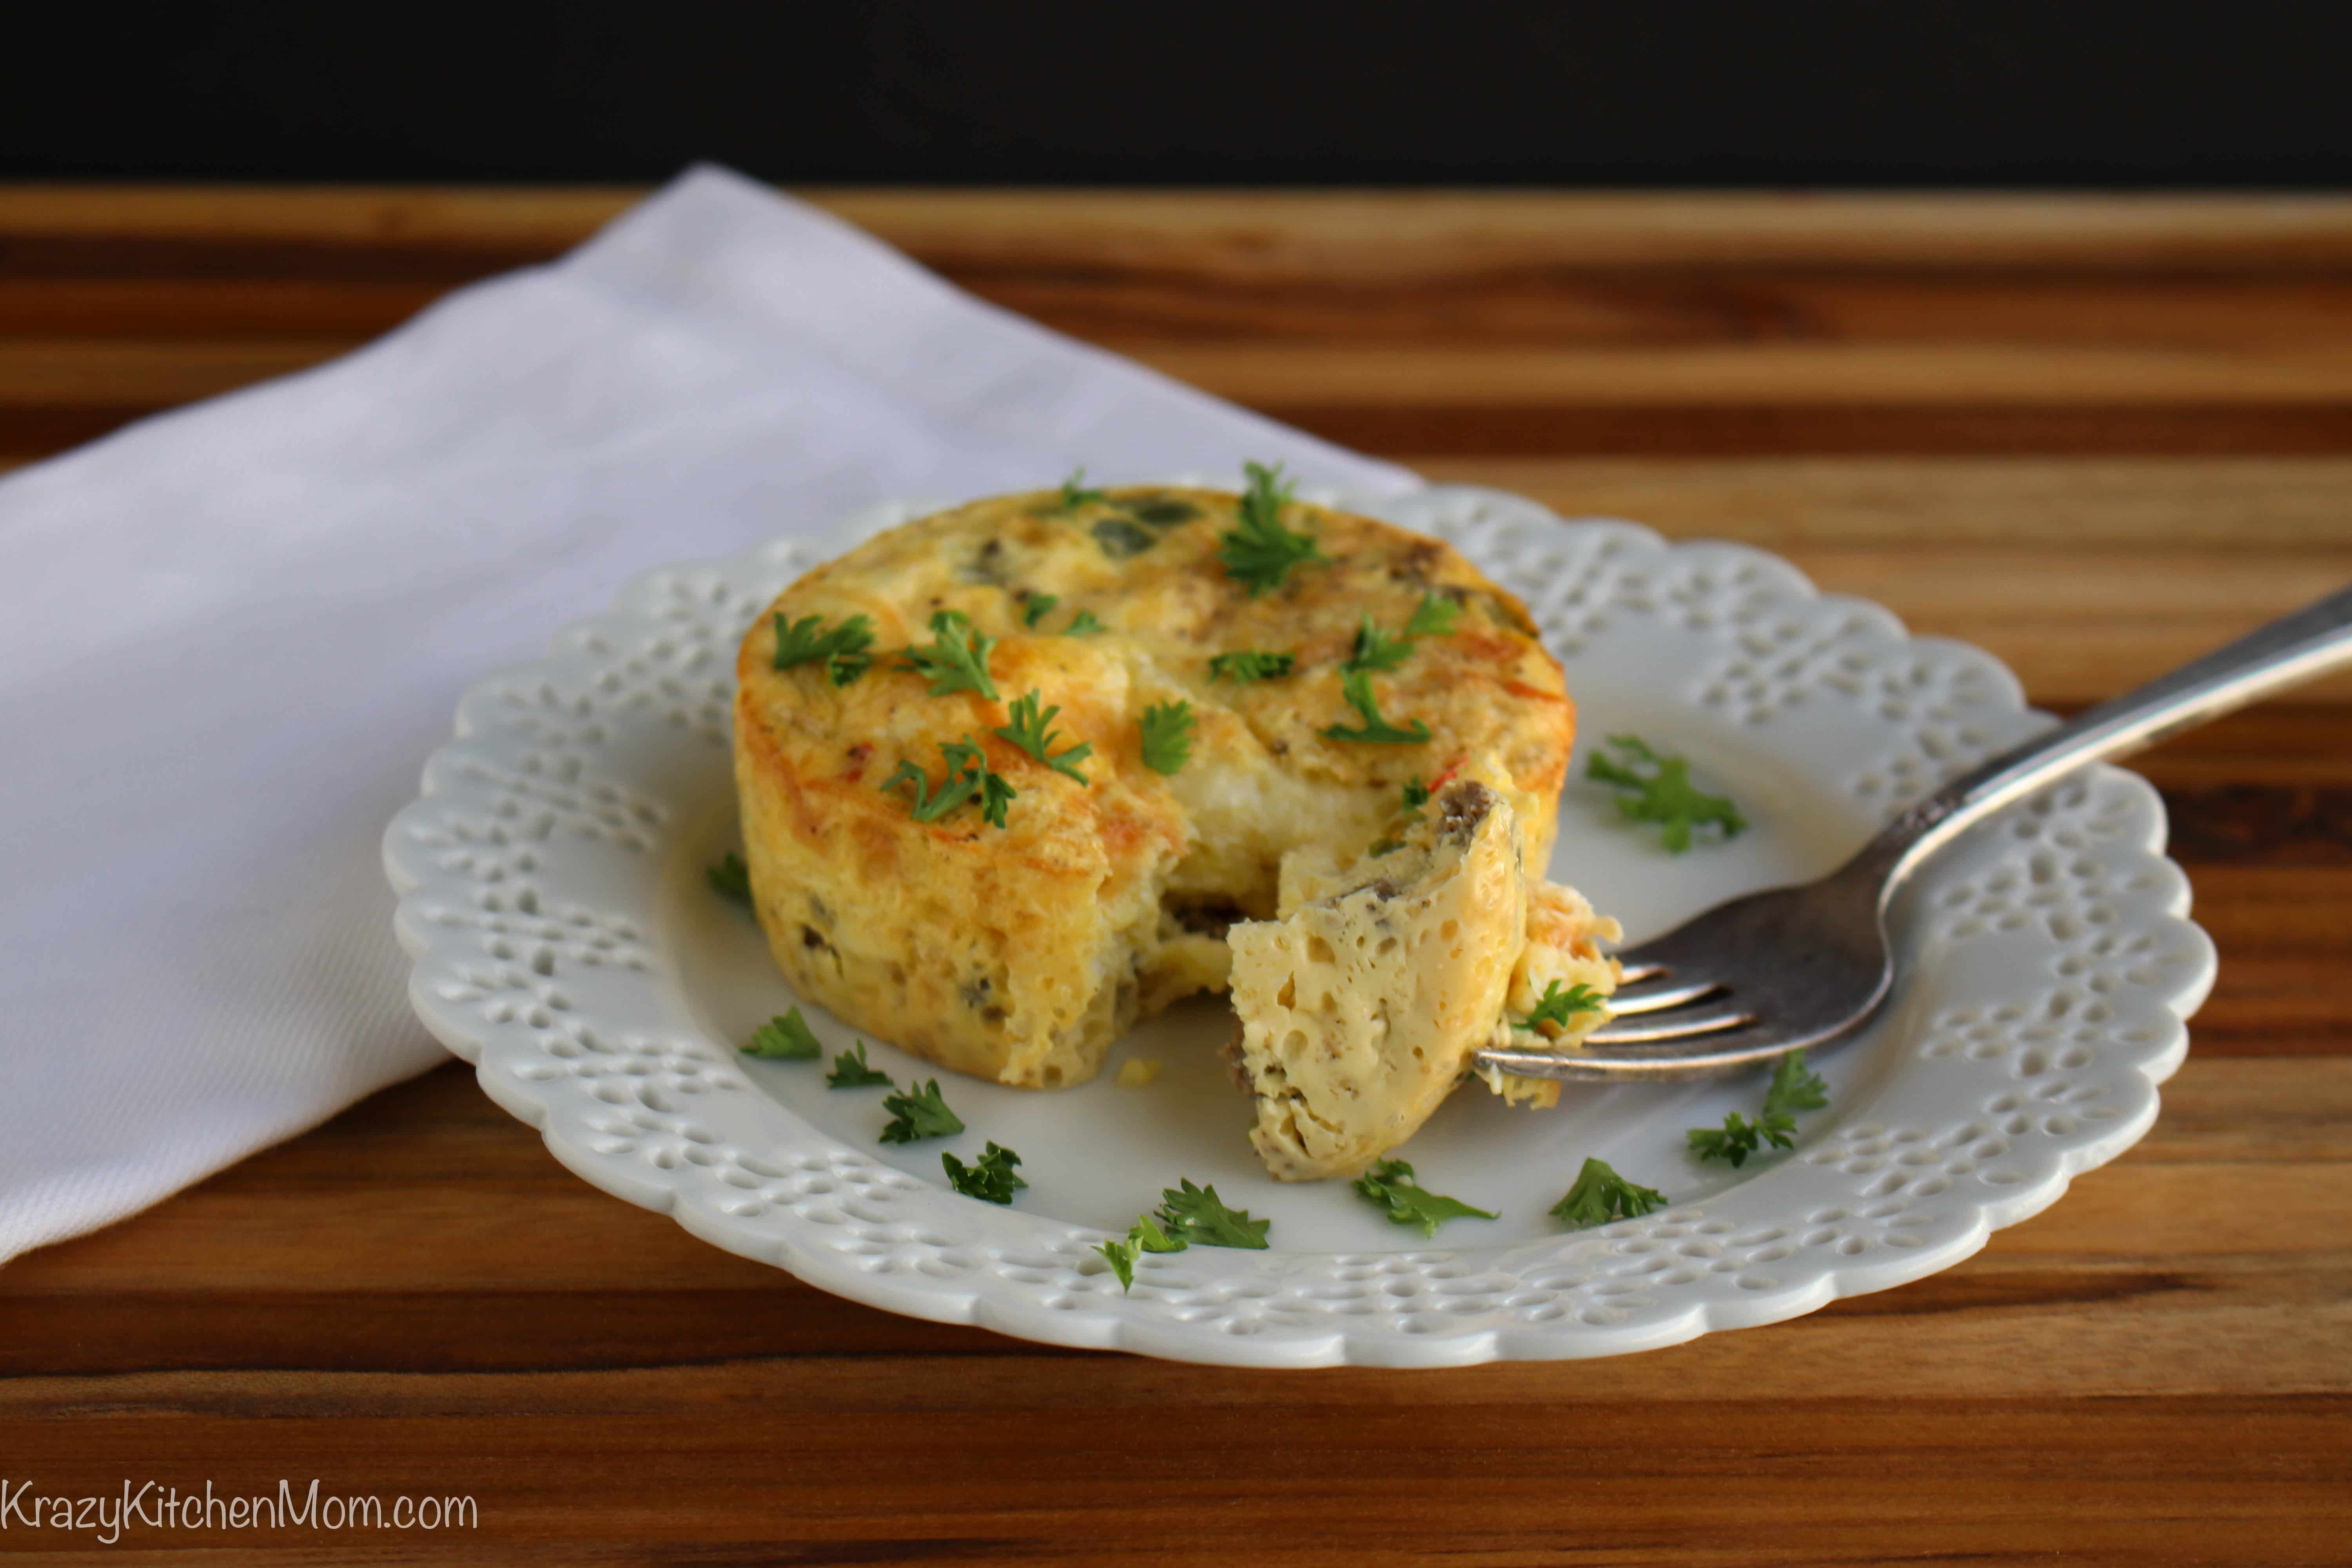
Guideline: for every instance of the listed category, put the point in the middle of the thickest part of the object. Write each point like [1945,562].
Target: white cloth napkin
[233,633]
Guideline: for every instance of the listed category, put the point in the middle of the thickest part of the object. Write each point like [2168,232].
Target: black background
[1784,93]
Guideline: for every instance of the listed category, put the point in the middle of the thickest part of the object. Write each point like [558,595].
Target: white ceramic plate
[553,896]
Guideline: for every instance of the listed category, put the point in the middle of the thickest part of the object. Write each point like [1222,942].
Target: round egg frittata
[1008,772]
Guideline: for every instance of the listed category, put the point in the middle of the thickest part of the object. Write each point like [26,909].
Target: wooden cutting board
[2093,436]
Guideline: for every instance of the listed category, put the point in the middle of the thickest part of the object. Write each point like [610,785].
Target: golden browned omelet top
[1143,562]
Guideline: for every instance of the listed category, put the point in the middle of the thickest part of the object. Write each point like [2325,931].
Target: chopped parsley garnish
[957,659]
[1120,1255]
[1259,551]
[850,1071]
[730,878]
[995,793]
[1039,608]
[918,1114]
[1357,687]
[969,777]
[1663,794]
[1555,1005]
[1195,1213]
[1245,664]
[1375,649]
[1186,1214]
[1433,619]
[1167,736]
[1392,1185]
[1075,494]
[1144,1236]
[930,806]
[1084,625]
[989,1178]
[787,1039]
[1738,1137]
[1600,1195]
[1794,1088]
[841,650]
[1028,731]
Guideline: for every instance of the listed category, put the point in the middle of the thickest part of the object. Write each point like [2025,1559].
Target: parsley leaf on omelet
[956,659]
[1259,551]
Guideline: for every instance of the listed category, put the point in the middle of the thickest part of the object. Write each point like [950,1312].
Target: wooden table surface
[2095,437]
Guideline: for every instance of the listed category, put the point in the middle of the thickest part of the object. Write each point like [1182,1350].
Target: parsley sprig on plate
[788,1038]
[969,778]
[1029,729]
[919,1112]
[1186,1214]
[1195,1214]
[1662,793]
[851,1070]
[1259,551]
[1356,686]
[1145,1235]
[956,659]
[1794,1088]
[1392,1185]
[730,878]
[1600,1195]
[989,1178]
[841,650]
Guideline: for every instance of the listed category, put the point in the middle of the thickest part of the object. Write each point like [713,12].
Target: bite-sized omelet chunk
[1015,935]
[1361,1006]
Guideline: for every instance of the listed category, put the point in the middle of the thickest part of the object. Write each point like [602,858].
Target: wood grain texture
[2093,436]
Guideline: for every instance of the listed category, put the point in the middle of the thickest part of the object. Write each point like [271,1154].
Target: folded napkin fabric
[232,634]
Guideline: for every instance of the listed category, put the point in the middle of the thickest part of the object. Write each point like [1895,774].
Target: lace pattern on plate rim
[528,874]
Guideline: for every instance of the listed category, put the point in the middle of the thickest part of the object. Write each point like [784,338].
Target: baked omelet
[1360,1008]
[1019,951]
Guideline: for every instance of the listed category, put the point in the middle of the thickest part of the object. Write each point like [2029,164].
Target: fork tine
[1704,1055]
[1635,974]
[1680,1026]
[1622,1004]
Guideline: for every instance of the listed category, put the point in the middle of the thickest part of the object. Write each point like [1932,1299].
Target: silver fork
[1791,967]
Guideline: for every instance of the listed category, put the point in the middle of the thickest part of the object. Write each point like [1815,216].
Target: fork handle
[2292,650]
